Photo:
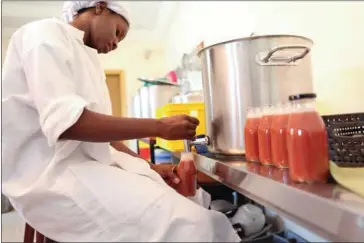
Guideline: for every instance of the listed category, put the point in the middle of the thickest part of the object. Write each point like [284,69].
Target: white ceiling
[149,19]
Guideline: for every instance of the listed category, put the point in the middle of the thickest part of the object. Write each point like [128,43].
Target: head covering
[71,8]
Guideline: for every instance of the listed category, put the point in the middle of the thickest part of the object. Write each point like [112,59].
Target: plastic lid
[302,96]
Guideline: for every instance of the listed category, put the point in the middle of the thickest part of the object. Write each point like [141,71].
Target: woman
[57,132]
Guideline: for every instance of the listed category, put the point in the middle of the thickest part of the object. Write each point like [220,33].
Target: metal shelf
[328,210]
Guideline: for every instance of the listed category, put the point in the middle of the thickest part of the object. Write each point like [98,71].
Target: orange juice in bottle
[187,172]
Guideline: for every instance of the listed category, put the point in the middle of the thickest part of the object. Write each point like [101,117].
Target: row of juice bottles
[289,135]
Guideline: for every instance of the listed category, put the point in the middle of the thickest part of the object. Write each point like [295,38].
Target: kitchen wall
[135,61]
[336,28]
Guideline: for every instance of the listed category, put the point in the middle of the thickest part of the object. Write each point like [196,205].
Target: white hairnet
[71,8]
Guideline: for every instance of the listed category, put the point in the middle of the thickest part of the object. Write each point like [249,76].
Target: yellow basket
[192,109]
[142,144]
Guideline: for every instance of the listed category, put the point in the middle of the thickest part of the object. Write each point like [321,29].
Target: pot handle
[283,60]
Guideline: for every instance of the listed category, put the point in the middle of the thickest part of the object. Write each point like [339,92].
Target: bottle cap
[186,156]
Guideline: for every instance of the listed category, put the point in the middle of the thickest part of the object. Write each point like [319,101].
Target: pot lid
[253,36]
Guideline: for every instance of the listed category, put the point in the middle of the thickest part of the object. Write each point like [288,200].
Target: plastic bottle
[187,172]
[264,136]
[307,143]
[279,136]
[251,135]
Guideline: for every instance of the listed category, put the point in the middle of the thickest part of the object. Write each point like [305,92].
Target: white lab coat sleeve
[48,72]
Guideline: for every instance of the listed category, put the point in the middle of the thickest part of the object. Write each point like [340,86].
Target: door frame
[121,74]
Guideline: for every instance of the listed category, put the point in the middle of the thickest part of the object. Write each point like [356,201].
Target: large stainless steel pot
[160,95]
[251,71]
[190,97]
[137,112]
[144,102]
[154,96]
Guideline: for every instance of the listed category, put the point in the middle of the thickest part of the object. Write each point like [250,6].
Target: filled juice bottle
[279,136]
[307,141]
[264,136]
[187,172]
[251,135]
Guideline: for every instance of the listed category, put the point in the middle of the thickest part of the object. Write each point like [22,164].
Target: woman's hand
[166,171]
[178,127]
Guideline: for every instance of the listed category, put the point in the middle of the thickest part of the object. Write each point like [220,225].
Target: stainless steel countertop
[328,210]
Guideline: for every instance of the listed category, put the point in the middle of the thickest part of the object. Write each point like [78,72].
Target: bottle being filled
[187,172]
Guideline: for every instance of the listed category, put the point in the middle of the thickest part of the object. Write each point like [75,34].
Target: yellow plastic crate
[142,144]
[192,109]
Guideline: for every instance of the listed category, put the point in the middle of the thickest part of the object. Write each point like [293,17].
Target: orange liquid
[279,140]
[264,140]
[187,172]
[307,148]
[251,139]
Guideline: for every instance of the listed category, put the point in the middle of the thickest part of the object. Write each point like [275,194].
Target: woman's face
[107,30]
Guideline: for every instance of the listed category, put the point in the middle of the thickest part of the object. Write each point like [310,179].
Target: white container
[160,95]
[144,102]
[250,217]
[191,97]
[137,112]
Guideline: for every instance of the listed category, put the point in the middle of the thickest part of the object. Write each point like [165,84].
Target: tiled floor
[12,226]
